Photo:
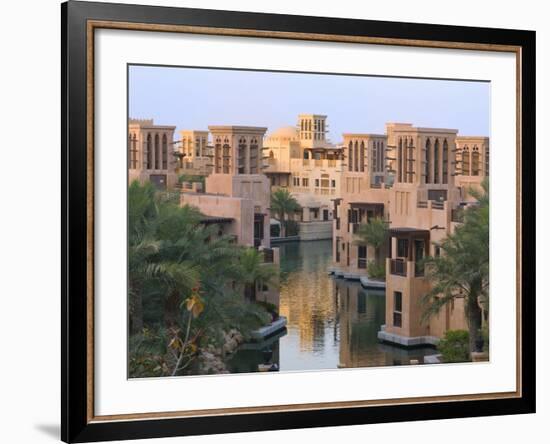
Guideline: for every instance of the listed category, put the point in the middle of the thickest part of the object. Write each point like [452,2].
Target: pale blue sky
[193,98]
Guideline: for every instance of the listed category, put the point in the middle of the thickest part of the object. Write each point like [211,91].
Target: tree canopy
[461,271]
[282,204]
[174,259]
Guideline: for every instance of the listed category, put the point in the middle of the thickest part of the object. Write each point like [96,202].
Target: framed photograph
[275,221]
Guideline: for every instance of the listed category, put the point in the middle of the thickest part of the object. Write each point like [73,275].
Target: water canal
[332,322]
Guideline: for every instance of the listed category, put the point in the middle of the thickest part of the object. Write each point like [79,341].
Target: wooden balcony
[398,267]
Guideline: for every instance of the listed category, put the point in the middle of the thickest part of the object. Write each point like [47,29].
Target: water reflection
[332,323]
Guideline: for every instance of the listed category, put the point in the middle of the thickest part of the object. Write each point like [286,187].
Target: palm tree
[283,203]
[141,246]
[254,271]
[139,256]
[373,233]
[170,253]
[462,269]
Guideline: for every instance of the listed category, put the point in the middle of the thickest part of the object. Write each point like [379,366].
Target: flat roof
[363,135]
[417,129]
[237,129]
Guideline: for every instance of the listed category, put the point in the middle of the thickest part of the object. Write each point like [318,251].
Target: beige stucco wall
[138,132]
[315,230]
[240,210]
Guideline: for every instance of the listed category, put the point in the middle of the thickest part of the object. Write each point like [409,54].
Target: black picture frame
[76,424]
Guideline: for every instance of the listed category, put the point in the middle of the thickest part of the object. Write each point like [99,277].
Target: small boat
[268,330]
[372,284]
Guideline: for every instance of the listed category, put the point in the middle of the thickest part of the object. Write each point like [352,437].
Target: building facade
[472,157]
[302,160]
[237,189]
[151,153]
[419,195]
[194,153]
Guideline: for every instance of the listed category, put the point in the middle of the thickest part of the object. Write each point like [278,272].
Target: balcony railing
[422,204]
[437,205]
[321,163]
[398,267]
[324,191]
[361,262]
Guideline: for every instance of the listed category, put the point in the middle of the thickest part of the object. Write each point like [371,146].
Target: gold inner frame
[92,25]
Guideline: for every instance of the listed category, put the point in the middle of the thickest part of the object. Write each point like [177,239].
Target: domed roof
[286,132]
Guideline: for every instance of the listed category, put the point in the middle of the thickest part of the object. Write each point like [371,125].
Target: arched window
[445,161]
[362,157]
[350,156]
[465,161]
[475,161]
[374,156]
[410,171]
[197,147]
[428,164]
[149,152]
[218,155]
[405,160]
[356,157]
[381,156]
[254,156]
[400,161]
[184,145]
[436,161]
[271,155]
[157,152]
[225,156]
[132,146]
[241,156]
[164,152]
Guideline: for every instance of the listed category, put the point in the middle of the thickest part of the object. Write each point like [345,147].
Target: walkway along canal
[332,322]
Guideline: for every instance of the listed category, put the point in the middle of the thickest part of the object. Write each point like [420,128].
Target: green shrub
[376,270]
[270,308]
[455,346]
